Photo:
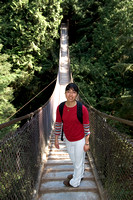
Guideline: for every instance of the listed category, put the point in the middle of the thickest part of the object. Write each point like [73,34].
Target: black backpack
[79,113]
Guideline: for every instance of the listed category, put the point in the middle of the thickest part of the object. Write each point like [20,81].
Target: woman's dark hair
[72,86]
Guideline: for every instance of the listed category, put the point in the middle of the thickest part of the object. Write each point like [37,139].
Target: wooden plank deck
[57,167]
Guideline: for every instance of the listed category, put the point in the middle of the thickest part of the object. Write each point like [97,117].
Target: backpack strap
[79,112]
[61,106]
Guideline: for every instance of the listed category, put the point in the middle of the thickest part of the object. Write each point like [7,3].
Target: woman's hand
[56,142]
[86,147]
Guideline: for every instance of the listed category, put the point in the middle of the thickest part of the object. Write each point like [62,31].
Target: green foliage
[6,92]
[30,36]
[29,53]
[101,51]
[30,30]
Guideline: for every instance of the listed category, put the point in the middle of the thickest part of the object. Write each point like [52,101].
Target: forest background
[101,53]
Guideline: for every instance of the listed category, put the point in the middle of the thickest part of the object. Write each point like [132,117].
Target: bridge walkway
[56,168]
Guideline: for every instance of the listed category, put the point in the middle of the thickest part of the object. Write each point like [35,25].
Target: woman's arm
[57,128]
[87,145]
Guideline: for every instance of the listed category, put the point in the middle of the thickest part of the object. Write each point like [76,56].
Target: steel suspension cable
[85,97]
[31,99]
[83,94]
[124,121]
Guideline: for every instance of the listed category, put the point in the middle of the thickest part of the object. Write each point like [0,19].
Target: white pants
[77,156]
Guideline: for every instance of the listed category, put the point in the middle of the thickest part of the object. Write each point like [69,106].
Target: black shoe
[66,183]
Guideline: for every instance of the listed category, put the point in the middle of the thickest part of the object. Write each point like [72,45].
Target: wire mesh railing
[21,157]
[19,160]
[113,157]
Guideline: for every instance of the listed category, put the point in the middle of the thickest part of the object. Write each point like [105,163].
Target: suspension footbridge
[58,165]
[32,169]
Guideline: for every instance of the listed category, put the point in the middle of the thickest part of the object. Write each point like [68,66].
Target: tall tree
[6,91]
[30,35]
[101,51]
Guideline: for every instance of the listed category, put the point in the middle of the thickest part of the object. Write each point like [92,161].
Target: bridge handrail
[14,121]
[124,121]
[6,124]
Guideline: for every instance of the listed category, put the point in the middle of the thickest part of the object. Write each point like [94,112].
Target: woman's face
[71,95]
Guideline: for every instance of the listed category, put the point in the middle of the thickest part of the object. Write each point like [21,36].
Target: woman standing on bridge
[76,134]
